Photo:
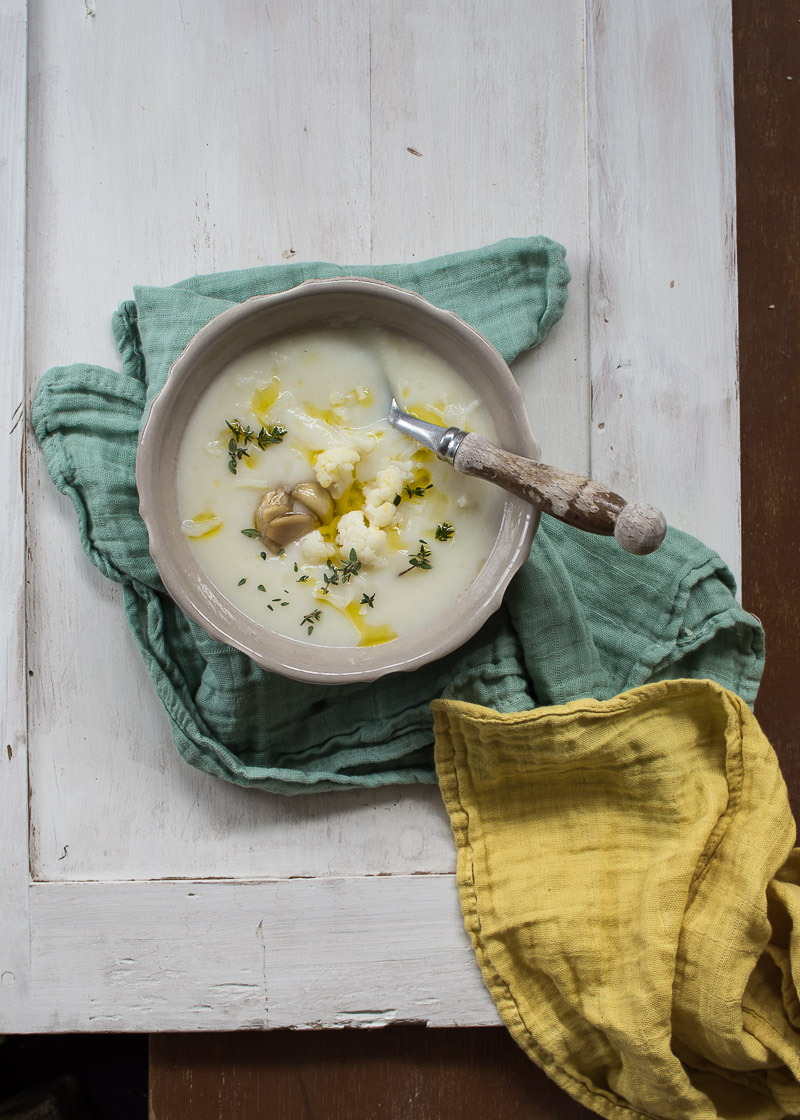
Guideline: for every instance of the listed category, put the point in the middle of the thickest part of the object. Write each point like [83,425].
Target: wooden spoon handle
[578,501]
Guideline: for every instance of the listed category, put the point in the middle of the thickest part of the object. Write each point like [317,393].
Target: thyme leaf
[310,618]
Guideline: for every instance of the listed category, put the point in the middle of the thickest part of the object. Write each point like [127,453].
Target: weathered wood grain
[14,949]
[575,499]
[478,133]
[396,1074]
[300,952]
[662,270]
[767,88]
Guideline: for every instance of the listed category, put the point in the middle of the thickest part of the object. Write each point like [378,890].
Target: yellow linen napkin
[627,877]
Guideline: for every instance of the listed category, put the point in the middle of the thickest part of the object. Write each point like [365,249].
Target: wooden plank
[395,1074]
[478,134]
[205,827]
[766,77]
[662,269]
[14,948]
[305,953]
[293,176]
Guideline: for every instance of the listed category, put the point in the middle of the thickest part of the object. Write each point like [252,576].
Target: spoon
[572,498]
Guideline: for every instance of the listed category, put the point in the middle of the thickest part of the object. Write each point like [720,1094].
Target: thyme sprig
[421,559]
[351,567]
[267,436]
[445,531]
[334,576]
[310,618]
[367,600]
[243,434]
[417,491]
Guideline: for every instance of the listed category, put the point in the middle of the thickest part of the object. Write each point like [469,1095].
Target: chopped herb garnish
[270,435]
[281,552]
[241,433]
[310,618]
[422,559]
[263,555]
[241,581]
[352,567]
[417,491]
[445,531]
[244,434]
[250,533]
[270,607]
[296,567]
[284,603]
[303,578]
[261,587]
[397,499]
[367,600]
[235,454]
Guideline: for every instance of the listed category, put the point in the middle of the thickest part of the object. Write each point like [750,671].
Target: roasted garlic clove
[316,499]
[291,527]
[274,503]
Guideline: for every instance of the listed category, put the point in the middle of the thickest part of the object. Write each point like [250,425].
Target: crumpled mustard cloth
[627,876]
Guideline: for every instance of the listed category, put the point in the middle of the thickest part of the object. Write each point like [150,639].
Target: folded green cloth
[581,618]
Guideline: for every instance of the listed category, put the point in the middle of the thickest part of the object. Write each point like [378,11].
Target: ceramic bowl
[315,303]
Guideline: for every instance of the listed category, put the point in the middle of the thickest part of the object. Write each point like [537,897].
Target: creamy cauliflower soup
[309,512]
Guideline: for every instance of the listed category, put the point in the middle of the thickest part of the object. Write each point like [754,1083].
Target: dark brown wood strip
[766,35]
[397,1073]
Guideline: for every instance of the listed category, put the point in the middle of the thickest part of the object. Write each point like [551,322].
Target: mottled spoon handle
[571,498]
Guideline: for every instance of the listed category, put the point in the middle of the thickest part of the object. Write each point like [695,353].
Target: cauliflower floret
[369,544]
[315,548]
[335,466]
[382,516]
[379,498]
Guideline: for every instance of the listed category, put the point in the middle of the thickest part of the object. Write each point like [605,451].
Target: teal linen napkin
[581,618]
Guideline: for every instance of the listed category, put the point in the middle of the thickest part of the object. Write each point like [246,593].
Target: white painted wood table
[167,138]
